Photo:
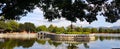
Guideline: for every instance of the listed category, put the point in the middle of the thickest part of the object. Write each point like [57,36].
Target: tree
[29,27]
[75,10]
[2,18]
[50,28]
[58,30]
[101,30]
[108,30]
[3,25]
[62,30]
[118,30]
[79,29]
[12,25]
[69,29]
[13,9]
[69,9]
[21,27]
[55,29]
[86,30]
[41,28]
[94,30]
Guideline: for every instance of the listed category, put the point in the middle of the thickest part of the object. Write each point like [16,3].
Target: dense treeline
[75,30]
[13,26]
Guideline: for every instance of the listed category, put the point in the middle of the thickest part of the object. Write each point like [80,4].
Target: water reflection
[11,43]
[41,43]
[101,38]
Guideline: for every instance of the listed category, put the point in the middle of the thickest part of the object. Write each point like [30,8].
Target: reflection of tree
[101,38]
[72,46]
[96,38]
[50,42]
[86,45]
[56,44]
[41,42]
[26,43]
[11,43]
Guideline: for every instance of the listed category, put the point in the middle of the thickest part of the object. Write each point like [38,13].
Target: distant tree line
[13,26]
[75,30]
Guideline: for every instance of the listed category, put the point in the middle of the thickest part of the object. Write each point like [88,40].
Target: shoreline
[34,35]
[18,35]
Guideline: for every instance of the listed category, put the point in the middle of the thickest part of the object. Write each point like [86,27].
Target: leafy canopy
[84,10]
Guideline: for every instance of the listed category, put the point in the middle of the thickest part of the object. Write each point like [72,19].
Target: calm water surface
[98,43]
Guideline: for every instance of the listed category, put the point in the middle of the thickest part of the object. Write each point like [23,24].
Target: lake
[100,42]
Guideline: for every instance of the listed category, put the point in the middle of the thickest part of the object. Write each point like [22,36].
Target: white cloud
[118,21]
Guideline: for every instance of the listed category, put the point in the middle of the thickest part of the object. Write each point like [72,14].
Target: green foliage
[12,9]
[53,9]
[101,30]
[29,27]
[62,30]
[86,30]
[41,28]
[9,29]
[69,29]
[108,30]
[94,30]
[12,43]
[3,25]
[77,33]
[50,28]
[12,25]
[69,9]
[58,30]
[118,30]
[56,44]
[2,18]
[79,29]
[41,42]
[21,27]
[55,29]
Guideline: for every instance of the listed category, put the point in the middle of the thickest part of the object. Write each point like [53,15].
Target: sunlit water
[98,43]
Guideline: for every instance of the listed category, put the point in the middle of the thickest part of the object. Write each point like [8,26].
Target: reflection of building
[1,40]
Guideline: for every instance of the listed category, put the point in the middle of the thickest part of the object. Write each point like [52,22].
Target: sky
[37,18]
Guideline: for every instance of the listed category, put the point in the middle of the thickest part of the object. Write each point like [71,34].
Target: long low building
[66,37]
